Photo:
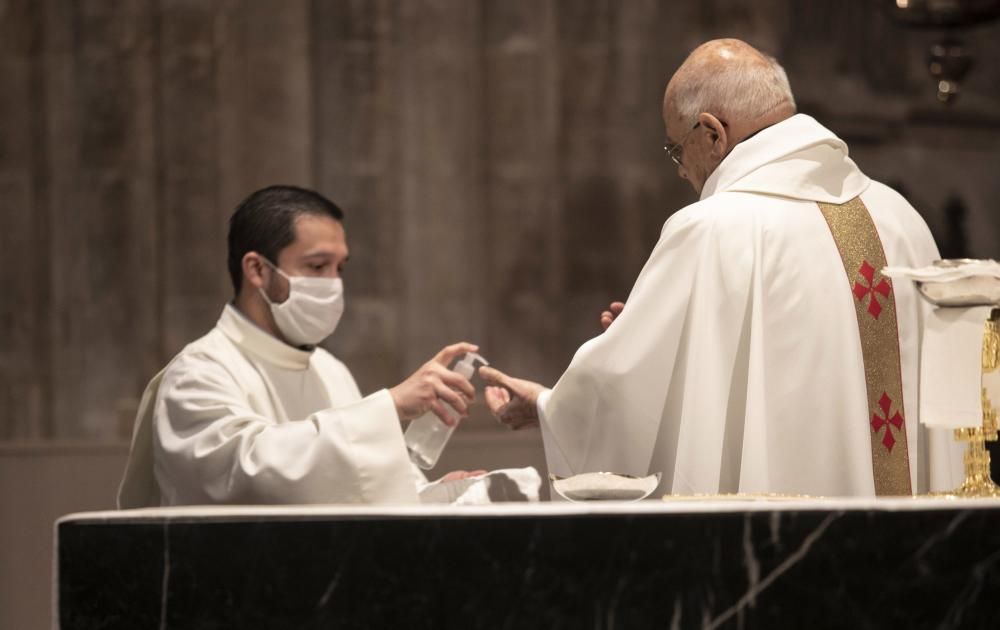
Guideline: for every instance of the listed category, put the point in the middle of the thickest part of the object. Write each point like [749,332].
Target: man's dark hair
[265,223]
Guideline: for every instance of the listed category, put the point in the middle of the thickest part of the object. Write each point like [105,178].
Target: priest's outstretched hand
[434,383]
[513,401]
[608,316]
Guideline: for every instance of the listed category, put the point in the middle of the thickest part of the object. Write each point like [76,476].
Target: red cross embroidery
[861,290]
[884,420]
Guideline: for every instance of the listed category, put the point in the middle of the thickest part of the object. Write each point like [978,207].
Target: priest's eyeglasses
[676,150]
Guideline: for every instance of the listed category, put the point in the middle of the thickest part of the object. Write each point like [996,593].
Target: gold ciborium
[978,483]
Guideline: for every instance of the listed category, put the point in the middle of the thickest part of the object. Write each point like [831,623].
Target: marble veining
[165,581]
[936,539]
[970,593]
[554,568]
[750,560]
[677,613]
[775,524]
[328,593]
[757,585]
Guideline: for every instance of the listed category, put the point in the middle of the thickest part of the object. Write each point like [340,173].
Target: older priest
[760,349]
[254,411]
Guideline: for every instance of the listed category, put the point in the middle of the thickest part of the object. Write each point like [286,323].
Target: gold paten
[860,248]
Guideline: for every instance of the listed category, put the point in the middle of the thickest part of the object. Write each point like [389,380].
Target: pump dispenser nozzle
[426,436]
[467,365]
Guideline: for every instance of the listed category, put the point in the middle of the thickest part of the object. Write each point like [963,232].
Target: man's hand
[455,475]
[433,383]
[513,401]
[608,316]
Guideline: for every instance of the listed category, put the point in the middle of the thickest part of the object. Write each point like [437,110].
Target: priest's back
[739,362]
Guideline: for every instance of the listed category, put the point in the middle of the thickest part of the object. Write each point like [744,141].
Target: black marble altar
[654,566]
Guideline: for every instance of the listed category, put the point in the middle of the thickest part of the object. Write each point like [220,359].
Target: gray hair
[740,89]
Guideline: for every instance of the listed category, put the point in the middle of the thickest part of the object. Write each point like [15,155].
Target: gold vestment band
[875,306]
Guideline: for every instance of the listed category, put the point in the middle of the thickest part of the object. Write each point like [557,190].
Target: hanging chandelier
[949,59]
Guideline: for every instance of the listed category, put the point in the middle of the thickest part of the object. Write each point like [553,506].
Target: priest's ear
[716,133]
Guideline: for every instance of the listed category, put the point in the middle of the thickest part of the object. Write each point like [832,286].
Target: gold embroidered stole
[875,306]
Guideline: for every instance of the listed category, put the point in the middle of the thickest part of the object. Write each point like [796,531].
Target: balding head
[728,78]
[731,90]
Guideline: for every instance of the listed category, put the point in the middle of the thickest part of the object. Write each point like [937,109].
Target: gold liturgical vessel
[978,483]
[966,283]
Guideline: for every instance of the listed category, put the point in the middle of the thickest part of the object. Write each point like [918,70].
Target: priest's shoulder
[880,197]
[724,209]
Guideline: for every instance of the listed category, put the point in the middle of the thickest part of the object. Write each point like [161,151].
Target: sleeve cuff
[543,399]
[381,415]
[554,457]
[377,446]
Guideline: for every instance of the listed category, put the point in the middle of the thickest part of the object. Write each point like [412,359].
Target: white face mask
[311,312]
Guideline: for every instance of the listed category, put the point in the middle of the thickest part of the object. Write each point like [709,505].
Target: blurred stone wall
[500,163]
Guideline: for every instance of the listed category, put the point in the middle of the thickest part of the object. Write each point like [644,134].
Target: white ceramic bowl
[604,486]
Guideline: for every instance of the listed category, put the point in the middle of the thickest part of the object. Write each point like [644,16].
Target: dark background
[500,163]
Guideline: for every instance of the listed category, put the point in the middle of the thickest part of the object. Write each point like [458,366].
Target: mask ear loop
[275,270]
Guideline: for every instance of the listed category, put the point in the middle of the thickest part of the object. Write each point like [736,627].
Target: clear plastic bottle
[426,436]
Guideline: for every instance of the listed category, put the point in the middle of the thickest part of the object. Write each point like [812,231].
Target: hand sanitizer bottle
[426,436]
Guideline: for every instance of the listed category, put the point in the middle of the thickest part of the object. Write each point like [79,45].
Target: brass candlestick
[978,483]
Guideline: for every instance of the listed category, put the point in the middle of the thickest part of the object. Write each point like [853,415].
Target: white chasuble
[239,417]
[737,363]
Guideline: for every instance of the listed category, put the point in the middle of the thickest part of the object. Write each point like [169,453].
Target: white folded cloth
[951,367]
[506,484]
[935,273]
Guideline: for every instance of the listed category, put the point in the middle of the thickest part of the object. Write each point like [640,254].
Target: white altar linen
[951,367]
[544,509]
